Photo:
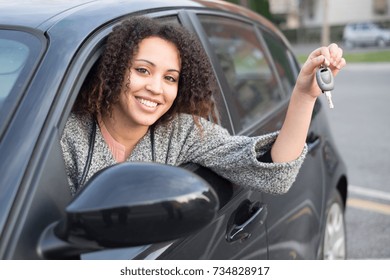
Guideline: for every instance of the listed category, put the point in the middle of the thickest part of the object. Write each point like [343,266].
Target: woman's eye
[171,79]
[142,70]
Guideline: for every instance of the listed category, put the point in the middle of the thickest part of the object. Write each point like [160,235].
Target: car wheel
[334,242]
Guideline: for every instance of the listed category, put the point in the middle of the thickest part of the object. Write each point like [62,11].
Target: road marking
[369,192]
[383,208]
[369,205]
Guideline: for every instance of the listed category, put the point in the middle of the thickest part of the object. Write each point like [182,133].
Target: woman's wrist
[303,98]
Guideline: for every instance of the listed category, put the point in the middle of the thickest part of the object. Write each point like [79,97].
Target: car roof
[44,14]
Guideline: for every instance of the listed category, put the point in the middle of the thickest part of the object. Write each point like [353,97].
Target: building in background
[305,19]
[309,13]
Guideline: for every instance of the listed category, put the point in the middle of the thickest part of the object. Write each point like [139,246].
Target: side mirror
[132,204]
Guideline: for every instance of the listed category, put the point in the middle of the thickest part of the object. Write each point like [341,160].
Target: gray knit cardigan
[233,157]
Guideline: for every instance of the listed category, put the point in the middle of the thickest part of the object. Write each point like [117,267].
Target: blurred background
[313,21]
[360,120]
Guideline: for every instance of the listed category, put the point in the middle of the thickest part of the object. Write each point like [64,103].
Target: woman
[149,100]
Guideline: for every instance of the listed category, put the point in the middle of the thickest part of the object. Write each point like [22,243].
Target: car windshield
[19,52]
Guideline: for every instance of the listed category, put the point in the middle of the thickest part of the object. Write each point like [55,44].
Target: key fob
[325,79]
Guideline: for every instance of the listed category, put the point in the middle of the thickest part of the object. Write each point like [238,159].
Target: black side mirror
[132,204]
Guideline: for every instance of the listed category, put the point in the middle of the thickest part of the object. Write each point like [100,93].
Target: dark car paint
[32,165]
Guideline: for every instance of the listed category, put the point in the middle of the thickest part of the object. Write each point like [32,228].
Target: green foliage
[261,7]
[369,56]
[258,6]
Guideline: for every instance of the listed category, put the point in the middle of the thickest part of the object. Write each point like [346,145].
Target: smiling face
[154,80]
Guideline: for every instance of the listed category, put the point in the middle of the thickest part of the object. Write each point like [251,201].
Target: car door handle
[313,142]
[255,215]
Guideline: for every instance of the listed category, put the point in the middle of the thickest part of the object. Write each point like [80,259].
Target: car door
[255,100]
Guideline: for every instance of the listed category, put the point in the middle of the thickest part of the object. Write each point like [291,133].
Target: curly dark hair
[104,82]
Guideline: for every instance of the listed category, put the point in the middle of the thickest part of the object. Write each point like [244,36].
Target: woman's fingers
[336,53]
[331,56]
[323,53]
[338,67]
[320,56]
[337,60]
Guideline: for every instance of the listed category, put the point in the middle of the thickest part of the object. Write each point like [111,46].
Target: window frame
[292,63]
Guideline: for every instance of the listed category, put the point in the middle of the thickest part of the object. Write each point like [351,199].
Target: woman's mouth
[147,103]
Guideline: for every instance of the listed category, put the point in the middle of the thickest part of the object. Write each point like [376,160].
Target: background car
[48,48]
[365,34]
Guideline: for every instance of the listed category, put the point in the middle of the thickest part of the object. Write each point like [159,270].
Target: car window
[18,53]
[366,27]
[13,55]
[282,60]
[245,65]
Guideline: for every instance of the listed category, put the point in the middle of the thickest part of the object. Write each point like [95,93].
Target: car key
[326,83]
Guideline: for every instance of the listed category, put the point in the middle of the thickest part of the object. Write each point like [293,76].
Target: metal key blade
[328,95]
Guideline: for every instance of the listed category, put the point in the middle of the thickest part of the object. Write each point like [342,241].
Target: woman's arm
[235,158]
[291,139]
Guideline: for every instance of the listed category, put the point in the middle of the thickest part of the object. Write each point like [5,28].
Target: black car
[47,49]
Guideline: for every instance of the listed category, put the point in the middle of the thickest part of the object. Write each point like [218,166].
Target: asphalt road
[361,126]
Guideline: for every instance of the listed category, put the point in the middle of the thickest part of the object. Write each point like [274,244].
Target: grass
[368,57]
[372,56]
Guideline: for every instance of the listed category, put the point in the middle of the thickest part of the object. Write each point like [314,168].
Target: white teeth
[147,103]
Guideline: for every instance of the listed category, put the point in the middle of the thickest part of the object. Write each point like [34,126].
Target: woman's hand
[331,56]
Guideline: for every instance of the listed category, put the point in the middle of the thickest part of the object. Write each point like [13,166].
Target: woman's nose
[155,86]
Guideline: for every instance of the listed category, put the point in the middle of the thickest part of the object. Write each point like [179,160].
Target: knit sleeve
[70,159]
[236,158]
[74,144]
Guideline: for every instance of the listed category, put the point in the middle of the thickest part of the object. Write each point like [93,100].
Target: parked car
[365,34]
[47,49]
